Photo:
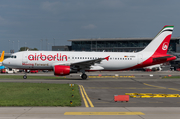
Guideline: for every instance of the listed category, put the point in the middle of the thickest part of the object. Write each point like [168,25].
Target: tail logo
[165,46]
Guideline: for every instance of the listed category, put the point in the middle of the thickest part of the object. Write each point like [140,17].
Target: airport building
[118,44]
[61,48]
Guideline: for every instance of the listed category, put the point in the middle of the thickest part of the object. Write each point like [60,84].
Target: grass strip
[171,77]
[30,77]
[38,94]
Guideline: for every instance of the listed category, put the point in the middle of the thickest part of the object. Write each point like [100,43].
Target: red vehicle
[34,71]
[3,71]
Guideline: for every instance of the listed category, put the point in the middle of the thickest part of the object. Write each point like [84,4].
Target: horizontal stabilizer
[161,58]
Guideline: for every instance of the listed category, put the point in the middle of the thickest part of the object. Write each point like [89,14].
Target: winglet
[107,58]
[2,56]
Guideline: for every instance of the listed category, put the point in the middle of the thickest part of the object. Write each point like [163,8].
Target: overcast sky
[29,21]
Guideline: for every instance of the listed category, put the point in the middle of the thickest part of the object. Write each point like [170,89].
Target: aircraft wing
[88,63]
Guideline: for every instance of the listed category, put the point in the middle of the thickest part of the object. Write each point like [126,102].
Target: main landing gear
[84,76]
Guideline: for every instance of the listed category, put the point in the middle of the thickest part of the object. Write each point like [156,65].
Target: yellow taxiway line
[111,76]
[104,113]
[154,86]
[161,87]
[84,94]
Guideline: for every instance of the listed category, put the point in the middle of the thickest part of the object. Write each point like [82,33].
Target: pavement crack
[136,81]
[23,113]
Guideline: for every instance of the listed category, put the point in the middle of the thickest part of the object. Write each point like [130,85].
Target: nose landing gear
[25,77]
[25,74]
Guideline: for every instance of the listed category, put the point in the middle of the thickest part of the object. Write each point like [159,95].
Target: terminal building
[118,44]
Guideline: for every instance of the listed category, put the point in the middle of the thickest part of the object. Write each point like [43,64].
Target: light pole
[9,46]
[46,44]
[25,46]
[42,44]
[18,45]
[13,45]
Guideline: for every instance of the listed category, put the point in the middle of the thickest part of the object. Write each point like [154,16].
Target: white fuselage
[48,59]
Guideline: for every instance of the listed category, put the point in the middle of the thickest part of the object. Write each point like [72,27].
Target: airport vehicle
[34,71]
[10,70]
[3,70]
[66,62]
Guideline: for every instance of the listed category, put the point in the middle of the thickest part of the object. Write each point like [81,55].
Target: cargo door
[140,58]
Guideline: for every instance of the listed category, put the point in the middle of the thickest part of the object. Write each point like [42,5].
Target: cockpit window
[13,56]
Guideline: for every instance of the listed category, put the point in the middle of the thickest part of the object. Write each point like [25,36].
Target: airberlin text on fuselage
[43,57]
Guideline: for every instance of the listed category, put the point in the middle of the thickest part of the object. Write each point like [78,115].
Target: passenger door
[24,58]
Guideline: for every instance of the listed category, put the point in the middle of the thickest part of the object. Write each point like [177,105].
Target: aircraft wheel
[84,76]
[24,77]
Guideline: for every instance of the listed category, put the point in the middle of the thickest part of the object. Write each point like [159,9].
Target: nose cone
[5,62]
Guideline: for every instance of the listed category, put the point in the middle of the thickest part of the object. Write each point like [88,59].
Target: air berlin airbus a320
[65,62]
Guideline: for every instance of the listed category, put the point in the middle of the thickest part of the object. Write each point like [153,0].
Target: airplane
[67,62]
[156,67]
[1,60]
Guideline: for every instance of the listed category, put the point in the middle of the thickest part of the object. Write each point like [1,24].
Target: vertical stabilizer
[2,56]
[160,43]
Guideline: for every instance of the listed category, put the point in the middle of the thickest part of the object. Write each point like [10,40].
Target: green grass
[38,94]
[171,77]
[29,77]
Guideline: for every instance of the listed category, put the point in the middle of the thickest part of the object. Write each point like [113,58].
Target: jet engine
[61,70]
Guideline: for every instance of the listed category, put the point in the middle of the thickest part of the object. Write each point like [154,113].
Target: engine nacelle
[61,70]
